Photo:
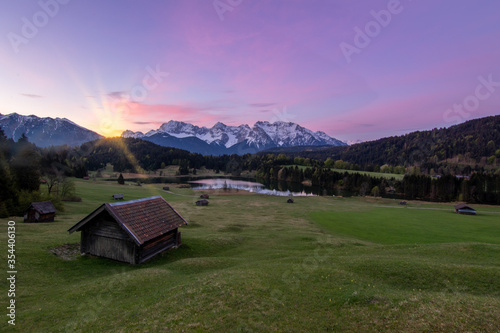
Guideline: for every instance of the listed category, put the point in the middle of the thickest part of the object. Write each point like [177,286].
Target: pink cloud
[138,116]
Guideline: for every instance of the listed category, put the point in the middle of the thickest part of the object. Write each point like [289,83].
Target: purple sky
[353,69]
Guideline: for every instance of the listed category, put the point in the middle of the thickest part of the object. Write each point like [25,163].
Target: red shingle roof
[44,207]
[143,219]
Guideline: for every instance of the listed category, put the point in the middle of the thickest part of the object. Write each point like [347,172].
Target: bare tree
[67,188]
[53,178]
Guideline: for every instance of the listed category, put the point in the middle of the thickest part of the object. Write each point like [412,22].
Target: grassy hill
[252,263]
[473,142]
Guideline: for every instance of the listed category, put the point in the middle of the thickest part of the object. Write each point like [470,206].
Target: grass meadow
[396,176]
[253,263]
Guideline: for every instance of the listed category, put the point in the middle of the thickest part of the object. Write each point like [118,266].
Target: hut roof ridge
[143,219]
[44,207]
[462,205]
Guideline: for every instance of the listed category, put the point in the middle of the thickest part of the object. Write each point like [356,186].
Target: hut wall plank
[106,228]
[112,248]
[158,245]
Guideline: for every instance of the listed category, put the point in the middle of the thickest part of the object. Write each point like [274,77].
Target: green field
[369,173]
[252,263]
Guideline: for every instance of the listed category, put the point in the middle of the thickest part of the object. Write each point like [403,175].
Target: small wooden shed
[202,202]
[131,231]
[43,211]
[118,196]
[464,209]
[204,196]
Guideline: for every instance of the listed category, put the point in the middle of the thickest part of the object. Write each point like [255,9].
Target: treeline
[461,149]
[479,188]
[19,173]
[136,155]
[25,167]
[341,183]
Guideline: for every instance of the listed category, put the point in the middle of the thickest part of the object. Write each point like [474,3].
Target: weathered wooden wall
[158,245]
[32,215]
[104,238]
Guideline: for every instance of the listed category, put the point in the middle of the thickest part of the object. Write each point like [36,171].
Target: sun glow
[111,117]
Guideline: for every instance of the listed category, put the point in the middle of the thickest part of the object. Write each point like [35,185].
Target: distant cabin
[464,209]
[290,200]
[40,212]
[166,188]
[202,202]
[118,196]
[130,231]
[204,196]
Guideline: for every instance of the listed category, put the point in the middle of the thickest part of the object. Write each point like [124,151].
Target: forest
[473,146]
[459,163]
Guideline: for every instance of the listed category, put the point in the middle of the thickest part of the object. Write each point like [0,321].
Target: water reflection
[224,183]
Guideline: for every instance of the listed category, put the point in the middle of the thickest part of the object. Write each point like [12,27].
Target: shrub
[73,198]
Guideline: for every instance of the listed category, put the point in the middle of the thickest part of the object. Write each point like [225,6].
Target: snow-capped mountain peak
[46,131]
[261,136]
[130,134]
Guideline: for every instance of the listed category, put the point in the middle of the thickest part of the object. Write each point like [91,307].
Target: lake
[227,183]
[248,184]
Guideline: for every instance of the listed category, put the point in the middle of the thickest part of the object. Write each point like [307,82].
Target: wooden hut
[464,209]
[202,202]
[204,196]
[118,196]
[166,188]
[40,212]
[131,231]
[290,200]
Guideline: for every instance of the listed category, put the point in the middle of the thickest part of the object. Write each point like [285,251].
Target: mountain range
[223,139]
[475,141]
[45,132]
[217,140]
